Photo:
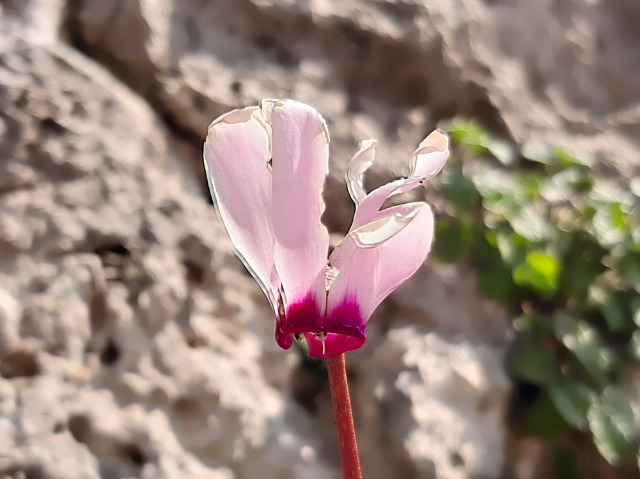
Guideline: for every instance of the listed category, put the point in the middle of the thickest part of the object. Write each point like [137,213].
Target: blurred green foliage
[559,246]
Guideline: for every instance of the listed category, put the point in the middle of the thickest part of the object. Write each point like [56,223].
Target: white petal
[360,162]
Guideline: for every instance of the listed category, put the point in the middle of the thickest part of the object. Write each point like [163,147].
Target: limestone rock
[133,343]
[123,352]
[558,73]
[10,313]
[445,299]
[443,403]
[546,72]
[39,20]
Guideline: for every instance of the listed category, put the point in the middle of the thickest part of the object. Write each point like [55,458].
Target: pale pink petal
[236,153]
[427,161]
[430,156]
[386,225]
[367,275]
[369,209]
[360,162]
[300,151]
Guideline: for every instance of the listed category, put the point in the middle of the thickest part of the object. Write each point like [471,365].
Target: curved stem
[343,417]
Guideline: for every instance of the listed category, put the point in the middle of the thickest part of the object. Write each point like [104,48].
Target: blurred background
[133,344]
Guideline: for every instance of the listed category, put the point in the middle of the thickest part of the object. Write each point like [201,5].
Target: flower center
[327,335]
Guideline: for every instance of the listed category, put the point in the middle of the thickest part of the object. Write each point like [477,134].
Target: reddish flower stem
[343,417]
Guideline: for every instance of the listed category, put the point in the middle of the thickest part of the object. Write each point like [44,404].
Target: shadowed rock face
[132,342]
[542,72]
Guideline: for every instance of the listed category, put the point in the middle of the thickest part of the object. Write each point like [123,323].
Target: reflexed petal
[300,151]
[427,161]
[430,156]
[369,209]
[367,275]
[236,153]
[360,162]
[389,224]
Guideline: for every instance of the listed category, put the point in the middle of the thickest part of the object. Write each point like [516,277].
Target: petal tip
[437,140]
[358,165]
[240,115]
[431,155]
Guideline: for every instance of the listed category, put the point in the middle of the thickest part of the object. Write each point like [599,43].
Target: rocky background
[133,344]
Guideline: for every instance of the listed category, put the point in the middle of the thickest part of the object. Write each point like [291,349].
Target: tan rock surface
[124,355]
[133,343]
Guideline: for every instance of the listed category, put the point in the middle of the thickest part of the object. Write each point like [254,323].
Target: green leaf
[581,271]
[540,271]
[530,223]
[572,400]
[529,184]
[452,240]
[615,315]
[525,323]
[513,247]
[618,214]
[494,277]
[562,157]
[611,421]
[544,420]
[584,342]
[635,310]
[609,224]
[628,268]
[470,131]
[634,345]
[502,151]
[564,186]
[495,282]
[499,191]
[471,134]
[475,137]
[565,464]
[535,365]
[458,189]
[613,310]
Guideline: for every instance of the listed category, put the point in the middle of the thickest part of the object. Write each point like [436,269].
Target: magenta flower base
[327,335]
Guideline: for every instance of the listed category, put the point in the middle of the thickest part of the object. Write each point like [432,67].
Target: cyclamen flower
[266,167]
